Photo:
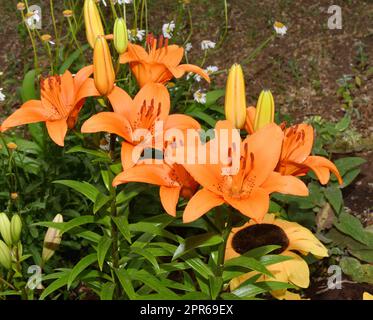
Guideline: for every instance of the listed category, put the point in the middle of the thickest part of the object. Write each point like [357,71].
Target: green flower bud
[120,35]
[16,228]
[52,240]
[5,256]
[5,229]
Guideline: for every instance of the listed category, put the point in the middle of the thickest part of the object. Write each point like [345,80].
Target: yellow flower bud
[5,256]
[120,35]
[5,229]
[52,240]
[103,70]
[67,13]
[15,228]
[12,146]
[45,37]
[235,97]
[265,110]
[14,195]
[93,24]
[21,6]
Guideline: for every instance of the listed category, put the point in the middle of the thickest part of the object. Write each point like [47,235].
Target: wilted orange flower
[160,64]
[151,104]
[295,156]
[62,97]
[248,190]
[174,181]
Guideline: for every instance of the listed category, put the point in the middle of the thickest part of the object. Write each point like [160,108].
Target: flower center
[259,235]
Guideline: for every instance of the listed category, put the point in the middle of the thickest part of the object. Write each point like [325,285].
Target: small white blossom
[196,77]
[167,29]
[33,19]
[136,34]
[211,69]
[188,47]
[207,44]
[2,95]
[199,96]
[280,28]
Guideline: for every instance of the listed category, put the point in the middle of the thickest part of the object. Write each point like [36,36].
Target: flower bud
[235,97]
[21,6]
[93,24]
[5,256]
[11,146]
[103,70]
[15,228]
[120,35]
[67,13]
[265,110]
[52,240]
[14,196]
[5,229]
[46,37]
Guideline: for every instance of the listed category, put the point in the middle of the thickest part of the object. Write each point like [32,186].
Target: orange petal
[30,112]
[108,122]
[67,88]
[87,89]
[152,174]
[170,55]
[169,198]
[250,116]
[180,70]
[182,122]
[82,75]
[152,93]
[203,201]
[265,145]
[134,53]
[57,131]
[321,167]
[121,102]
[298,152]
[285,184]
[129,155]
[255,206]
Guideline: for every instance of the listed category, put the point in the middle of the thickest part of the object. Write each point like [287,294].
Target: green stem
[56,36]
[221,251]
[258,49]
[226,24]
[74,38]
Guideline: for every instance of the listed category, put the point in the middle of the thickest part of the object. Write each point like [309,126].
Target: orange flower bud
[103,70]
[93,24]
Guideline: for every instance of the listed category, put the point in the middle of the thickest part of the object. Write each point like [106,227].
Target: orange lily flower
[160,64]
[151,104]
[295,157]
[174,181]
[248,190]
[62,97]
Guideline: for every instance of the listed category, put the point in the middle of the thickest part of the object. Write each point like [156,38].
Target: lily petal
[121,102]
[57,131]
[321,166]
[203,201]
[82,75]
[285,184]
[169,198]
[180,70]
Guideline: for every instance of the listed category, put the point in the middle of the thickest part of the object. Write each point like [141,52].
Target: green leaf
[96,153]
[148,256]
[261,251]
[122,223]
[357,271]
[126,282]
[216,284]
[100,201]
[152,229]
[55,285]
[213,96]
[247,263]
[85,188]
[71,59]
[203,116]
[28,91]
[102,249]
[251,290]
[334,195]
[80,266]
[346,164]
[200,267]
[107,291]
[198,241]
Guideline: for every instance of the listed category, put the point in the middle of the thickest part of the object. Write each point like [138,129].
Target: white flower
[196,77]
[167,29]
[207,44]
[124,1]
[136,34]
[211,69]
[280,28]
[33,18]
[199,96]
[188,47]
[2,95]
